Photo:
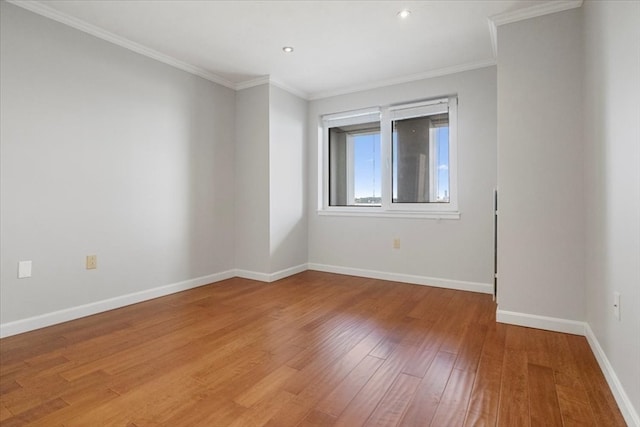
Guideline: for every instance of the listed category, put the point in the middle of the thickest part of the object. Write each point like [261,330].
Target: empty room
[319,213]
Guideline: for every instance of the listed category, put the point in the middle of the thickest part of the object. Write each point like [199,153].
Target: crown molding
[253,82]
[439,72]
[540,9]
[48,12]
[290,89]
[270,80]
[493,34]
[493,22]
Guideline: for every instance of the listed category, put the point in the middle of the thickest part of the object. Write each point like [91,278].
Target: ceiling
[340,46]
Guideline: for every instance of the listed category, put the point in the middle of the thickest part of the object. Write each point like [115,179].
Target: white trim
[534,11]
[252,275]
[494,21]
[419,109]
[292,90]
[404,79]
[353,117]
[376,212]
[460,285]
[555,324]
[269,80]
[270,277]
[48,12]
[72,313]
[253,83]
[493,35]
[51,13]
[288,272]
[624,403]
[540,322]
[78,24]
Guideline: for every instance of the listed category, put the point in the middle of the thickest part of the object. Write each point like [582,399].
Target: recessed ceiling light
[404,13]
[287,49]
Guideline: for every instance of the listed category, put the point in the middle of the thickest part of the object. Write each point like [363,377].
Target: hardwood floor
[315,349]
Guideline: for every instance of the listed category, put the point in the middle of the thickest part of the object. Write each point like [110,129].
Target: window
[354,165]
[391,161]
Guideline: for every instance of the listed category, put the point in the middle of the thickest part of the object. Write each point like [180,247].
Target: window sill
[389,214]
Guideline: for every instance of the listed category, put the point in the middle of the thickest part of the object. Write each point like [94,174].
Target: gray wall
[459,250]
[107,152]
[612,177]
[540,167]
[271,228]
[287,180]
[252,179]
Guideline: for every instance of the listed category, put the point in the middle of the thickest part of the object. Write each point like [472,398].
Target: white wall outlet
[616,305]
[92,262]
[396,243]
[24,269]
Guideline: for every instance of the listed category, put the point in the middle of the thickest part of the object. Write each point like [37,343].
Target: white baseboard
[629,413]
[48,319]
[72,313]
[253,275]
[541,322]
[484,288]
[271,277]
[555,324]
[288,272]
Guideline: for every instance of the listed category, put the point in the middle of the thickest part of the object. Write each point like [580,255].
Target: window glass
[354,165]
[420,153]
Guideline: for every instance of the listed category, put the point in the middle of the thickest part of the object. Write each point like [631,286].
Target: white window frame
[386,116]
[335,120]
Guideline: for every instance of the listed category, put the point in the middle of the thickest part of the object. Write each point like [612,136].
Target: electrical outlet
[616,305]
[396,243]
[92,262]
[24,269]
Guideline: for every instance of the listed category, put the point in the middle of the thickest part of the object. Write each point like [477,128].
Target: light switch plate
[24,269]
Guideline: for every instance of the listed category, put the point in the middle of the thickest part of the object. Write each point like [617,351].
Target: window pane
[420,150]
[443,164]
[354,165]
[366,163]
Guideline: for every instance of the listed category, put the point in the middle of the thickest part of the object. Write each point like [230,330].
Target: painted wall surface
[540,167]
[287,179]
[459,249]
[252,248]
[612,177]
[106,152]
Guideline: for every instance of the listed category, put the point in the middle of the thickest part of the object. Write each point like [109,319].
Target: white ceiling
[339,46]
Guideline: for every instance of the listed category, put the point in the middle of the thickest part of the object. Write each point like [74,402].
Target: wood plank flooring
[315,349]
